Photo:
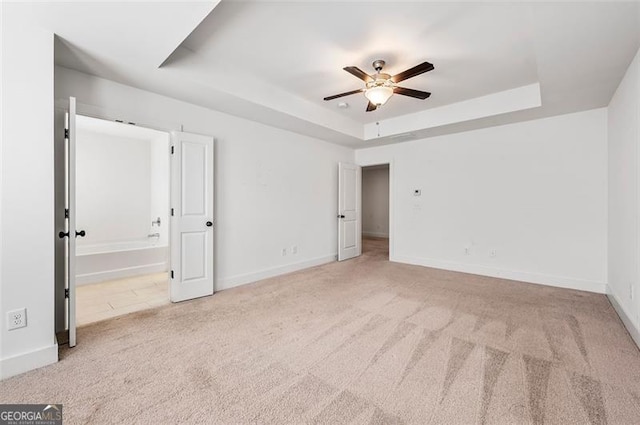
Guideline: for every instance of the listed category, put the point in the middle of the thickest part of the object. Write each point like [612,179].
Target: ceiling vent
[404,137]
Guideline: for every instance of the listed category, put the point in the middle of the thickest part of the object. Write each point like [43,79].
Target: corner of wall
[623,199]
[629,324]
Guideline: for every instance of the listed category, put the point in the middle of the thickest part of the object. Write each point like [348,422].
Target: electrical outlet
[493,253]
[284,252]
[467,250]
[294,249]
[17,319]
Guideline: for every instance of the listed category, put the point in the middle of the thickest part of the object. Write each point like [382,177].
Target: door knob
[63,235]
[340,216]
[209,223]
[81,233]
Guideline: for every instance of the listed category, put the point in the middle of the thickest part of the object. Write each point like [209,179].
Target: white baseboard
[538,278]
[375,235]
[243,279]
[626,320]
[84,279]
[25,362]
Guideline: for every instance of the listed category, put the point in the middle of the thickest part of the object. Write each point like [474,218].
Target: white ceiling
[273,62]
[477,49]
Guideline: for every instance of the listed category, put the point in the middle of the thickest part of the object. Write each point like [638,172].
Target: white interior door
[192,216]
[349,211]
[70,230]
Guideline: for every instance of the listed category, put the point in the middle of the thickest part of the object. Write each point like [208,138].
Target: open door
[349,214]
[192,216]
[70,233]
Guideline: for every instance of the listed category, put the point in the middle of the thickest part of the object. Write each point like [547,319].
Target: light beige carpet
[363,341]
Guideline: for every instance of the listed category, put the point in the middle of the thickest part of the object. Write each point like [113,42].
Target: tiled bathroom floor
[113,298]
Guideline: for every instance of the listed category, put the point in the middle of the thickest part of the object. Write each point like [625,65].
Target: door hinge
[66,213]
[171,274]
[66,292]
[171,212]
[172,150]
[66,133]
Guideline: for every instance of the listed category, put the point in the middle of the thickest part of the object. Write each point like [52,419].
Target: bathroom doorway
[122,215]
[175,232]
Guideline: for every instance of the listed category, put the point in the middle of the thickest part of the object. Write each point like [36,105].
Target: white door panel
[192,216]
[349,214]
[193,264]
[70,135]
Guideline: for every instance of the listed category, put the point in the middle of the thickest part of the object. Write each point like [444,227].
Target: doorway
[122,209]
[188,203]
[375,210]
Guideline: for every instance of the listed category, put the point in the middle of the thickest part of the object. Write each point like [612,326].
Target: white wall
[274,189]
[160,188]
[113,188]
[26,186]
[535,192]
[375,201]
[624,211]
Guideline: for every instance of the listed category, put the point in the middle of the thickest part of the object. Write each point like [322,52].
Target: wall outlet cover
[17,319]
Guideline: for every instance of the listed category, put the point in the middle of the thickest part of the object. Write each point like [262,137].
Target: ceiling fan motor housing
[378,65]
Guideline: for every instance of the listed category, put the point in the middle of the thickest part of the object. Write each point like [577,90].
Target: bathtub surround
[99,263]
[365,341]
[122,182]
[160,184]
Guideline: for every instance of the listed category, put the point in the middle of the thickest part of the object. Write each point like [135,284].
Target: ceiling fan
[380,87]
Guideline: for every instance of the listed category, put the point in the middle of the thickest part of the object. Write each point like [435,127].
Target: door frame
[61,106]
[392,221]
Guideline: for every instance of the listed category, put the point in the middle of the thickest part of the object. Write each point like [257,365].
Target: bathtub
[100,262]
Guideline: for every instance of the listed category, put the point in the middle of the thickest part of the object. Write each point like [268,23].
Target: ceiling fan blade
[411,93]
[335,96]
[412,72]
[357,72]
[371,107]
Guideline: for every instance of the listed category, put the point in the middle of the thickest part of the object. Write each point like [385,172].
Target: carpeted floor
[362,341]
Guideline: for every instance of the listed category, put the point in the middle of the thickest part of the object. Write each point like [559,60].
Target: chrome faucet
[154,235]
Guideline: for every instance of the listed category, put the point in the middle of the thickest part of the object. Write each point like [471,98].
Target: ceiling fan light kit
[380,87]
